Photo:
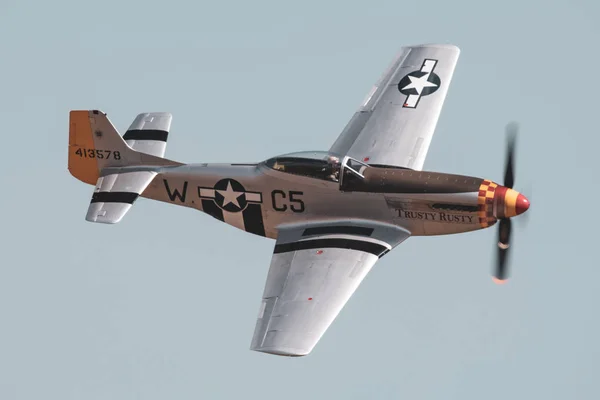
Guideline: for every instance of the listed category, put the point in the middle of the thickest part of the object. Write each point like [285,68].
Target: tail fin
[94,144]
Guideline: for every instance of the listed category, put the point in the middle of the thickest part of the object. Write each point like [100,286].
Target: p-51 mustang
[333,214]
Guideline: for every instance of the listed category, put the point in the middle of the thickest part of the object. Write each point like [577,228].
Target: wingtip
[282,352]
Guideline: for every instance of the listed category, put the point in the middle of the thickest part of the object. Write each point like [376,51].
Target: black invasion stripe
[253,219]
[114,197]
[211,208]
[146,134]
[367,247]
[347,230]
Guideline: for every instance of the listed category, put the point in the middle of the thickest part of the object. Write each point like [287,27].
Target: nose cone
[508,202]
[521,204]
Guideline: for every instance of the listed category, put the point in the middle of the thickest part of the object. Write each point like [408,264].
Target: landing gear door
[352,172]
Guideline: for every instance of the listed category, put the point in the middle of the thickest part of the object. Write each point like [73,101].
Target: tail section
[94,144]
[98,155]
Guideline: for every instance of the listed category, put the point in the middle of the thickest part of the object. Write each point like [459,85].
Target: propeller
[504,227]
[512,129]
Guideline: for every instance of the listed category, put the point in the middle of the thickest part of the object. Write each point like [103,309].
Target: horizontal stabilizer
[148,133]
[115,193]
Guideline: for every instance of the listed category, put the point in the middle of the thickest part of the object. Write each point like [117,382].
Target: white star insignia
[230,196]
[419,83]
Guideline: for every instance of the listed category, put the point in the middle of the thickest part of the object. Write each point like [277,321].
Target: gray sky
[163,305]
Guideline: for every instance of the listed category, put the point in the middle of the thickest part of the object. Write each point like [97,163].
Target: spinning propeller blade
[511,134]
[505,226]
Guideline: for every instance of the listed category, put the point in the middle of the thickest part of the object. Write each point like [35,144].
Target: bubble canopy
[314,164]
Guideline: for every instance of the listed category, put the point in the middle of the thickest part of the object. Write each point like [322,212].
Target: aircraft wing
[314,270]
[395,124]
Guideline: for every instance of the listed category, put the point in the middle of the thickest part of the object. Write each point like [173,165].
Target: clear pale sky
[163,305]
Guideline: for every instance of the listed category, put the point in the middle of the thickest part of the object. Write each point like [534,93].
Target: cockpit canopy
[314,164]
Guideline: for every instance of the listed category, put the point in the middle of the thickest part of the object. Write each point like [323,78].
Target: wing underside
[314,271]
[395,124]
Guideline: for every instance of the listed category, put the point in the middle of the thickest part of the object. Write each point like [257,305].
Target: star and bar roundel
[419,83]
[228,201]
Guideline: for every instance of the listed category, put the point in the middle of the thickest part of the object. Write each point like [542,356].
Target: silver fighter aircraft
[333,214]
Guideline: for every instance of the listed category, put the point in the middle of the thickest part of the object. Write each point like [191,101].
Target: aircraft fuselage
[257,199]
